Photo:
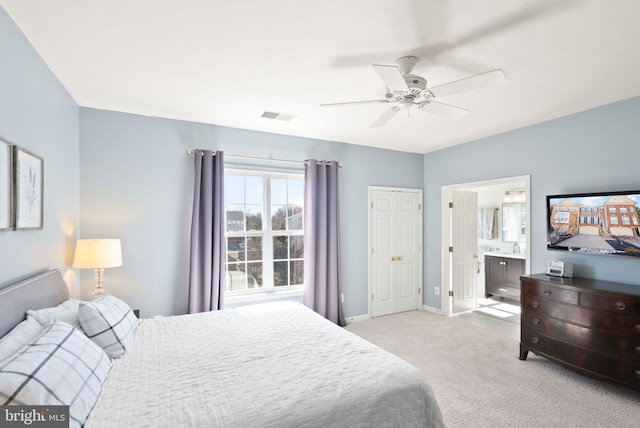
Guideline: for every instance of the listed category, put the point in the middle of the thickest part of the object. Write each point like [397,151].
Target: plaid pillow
[60,367]
[109,322]
[21,334]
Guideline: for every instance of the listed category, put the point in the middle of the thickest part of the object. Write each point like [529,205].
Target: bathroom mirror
[514,222]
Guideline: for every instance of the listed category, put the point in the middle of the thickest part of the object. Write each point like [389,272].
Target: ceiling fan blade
[468,83]
[444,110]
[351,103]
[386,116]
[392,77]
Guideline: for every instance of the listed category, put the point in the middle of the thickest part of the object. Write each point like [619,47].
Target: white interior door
[408,251]
[464,243]
[383,266]
[395,251]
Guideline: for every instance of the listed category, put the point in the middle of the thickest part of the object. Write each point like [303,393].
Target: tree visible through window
[264,255]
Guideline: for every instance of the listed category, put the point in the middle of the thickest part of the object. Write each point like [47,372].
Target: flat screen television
[595,223]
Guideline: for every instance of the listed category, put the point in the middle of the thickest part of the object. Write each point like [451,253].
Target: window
[614,220]
[562,217]
[625,220]
[265,238]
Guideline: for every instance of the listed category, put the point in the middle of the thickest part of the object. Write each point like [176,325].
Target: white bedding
[273,365]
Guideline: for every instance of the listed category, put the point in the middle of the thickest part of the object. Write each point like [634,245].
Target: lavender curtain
[206,265]
[322,240]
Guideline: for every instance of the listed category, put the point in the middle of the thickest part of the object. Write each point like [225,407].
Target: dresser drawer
[627,347]
[631,374]
[626,326]
[623,305]
[576,356]
[552,293]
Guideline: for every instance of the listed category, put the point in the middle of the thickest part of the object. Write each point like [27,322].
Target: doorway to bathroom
[497,226]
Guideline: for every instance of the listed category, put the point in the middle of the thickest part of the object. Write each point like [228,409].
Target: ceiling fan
[406,91]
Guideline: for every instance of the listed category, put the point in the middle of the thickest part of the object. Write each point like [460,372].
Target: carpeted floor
[480,382]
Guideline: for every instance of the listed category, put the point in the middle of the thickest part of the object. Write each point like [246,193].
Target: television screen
[595,223]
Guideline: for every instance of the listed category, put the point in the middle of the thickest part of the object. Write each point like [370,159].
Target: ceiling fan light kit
[405,90]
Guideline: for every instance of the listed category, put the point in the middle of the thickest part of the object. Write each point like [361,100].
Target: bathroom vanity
[502,274]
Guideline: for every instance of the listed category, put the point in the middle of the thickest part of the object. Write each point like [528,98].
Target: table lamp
[97,254]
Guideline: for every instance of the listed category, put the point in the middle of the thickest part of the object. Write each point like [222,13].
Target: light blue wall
[136,184]
[37,113]
[130,178]
[596,150]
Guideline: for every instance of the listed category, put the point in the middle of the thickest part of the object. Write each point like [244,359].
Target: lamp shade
[97,254]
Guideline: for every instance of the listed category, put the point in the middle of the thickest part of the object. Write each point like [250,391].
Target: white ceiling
[226,62]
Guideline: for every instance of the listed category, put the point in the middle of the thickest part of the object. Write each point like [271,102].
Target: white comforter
[274,365]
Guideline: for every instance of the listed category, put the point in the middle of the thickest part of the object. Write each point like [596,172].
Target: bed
[264,365]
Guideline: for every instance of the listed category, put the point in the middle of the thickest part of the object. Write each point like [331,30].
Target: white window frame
[268,289]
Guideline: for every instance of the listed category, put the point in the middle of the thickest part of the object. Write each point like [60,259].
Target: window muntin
[264,255]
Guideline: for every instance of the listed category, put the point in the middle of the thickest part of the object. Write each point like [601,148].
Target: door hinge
[450,204]
[451,293]
[371,296]
[419,207]
[418,290]
[451,249]
[371,205]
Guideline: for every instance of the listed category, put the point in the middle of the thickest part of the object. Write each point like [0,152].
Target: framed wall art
[28,189]
[6,188]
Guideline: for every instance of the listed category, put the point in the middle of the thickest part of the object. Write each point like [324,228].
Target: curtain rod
[192,151]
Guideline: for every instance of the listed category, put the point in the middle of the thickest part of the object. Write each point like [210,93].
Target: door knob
[393,259]
[399,258]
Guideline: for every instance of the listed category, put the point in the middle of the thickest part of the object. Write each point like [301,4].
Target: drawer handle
[504,290]
[536,305]
[621,306]
[638,373]
[547,292]
[536,321]
[637,349]
[638,328]
[536,341]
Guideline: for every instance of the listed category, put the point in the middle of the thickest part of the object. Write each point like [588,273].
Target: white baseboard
[431,309]
[365,317]
[357,318]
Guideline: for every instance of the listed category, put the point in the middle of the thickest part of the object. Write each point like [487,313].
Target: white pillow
[60,367]
[66,311]
[21,334]
[109,322]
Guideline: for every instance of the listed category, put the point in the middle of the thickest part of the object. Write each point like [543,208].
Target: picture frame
[28,191]
[6,186]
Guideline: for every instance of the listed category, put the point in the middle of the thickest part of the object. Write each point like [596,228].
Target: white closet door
[395,251]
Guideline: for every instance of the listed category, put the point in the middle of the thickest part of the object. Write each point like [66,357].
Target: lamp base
[99,290]
[96,292]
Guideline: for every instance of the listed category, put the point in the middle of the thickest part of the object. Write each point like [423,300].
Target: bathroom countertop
[510,255]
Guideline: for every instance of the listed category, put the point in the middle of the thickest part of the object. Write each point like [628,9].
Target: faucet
[516,248]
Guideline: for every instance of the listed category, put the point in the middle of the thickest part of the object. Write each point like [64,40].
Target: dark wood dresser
[589,326]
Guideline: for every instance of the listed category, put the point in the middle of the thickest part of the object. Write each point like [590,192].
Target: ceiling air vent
[277,116]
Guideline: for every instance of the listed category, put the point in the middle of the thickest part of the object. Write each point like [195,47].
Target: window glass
[264,255]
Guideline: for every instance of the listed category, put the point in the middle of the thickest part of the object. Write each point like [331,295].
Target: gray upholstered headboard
[40,291]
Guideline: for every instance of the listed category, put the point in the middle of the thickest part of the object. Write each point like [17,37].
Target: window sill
[262,297]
